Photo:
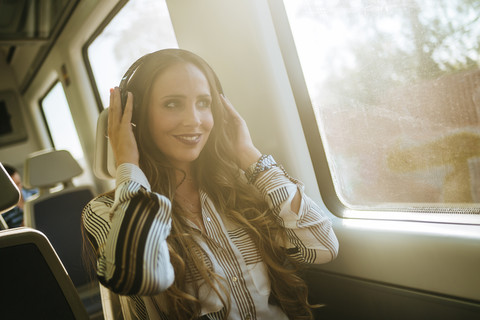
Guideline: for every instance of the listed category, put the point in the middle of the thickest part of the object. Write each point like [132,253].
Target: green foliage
[393,43]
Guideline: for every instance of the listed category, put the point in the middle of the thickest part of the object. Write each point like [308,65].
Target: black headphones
[126,77]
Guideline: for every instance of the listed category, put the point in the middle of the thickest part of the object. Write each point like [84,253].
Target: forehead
[182,75]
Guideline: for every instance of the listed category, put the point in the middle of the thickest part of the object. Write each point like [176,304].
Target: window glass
[140,27]
[395,87]
[62,129]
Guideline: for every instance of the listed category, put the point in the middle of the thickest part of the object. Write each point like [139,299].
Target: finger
[110,112]
[115,110]
[228,105]
[127,113]
[232,114]
[111,96]
[231,111]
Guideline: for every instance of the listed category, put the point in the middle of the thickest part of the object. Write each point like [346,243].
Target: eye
[204,103]
[171,104]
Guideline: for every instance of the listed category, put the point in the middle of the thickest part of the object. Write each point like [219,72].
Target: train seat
[57,213]
[33,279]
[34,282]
[8,197]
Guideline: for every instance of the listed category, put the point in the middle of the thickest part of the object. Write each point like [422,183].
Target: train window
[59,121]
[140,27]
[60,125]
[395,89]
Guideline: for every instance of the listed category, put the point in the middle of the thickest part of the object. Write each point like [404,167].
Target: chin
[185,159]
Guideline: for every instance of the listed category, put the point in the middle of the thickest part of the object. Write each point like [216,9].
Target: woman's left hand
[247,153]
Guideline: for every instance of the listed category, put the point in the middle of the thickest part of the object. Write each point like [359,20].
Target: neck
[183,172]
[184,178]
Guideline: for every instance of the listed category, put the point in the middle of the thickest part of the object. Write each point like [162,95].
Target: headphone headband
[133,68]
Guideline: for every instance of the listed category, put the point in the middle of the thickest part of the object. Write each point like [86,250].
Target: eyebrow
[207,95]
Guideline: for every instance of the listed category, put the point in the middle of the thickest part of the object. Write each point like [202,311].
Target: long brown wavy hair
[217,174]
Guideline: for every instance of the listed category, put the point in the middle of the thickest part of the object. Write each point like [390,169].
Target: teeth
[189,138]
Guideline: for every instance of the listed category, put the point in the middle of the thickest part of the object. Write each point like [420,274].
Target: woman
[185,234]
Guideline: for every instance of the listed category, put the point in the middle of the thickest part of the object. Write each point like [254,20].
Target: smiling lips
[189,139]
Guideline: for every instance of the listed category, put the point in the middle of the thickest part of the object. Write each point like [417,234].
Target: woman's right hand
[120,131]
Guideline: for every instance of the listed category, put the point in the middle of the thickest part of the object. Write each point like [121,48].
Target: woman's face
[180,118]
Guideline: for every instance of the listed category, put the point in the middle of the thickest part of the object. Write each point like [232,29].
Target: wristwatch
[265,162]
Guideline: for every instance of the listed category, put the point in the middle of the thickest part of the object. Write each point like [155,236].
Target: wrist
[248,157]
[255,170]
[128,160]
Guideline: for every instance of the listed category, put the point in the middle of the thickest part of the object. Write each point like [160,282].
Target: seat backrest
[47,168]
[9,196]
[58,214]
[104,161]
[34,283]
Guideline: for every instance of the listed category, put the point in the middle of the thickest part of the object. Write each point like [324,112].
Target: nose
[191,116]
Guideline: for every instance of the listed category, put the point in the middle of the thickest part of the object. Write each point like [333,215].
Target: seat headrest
[104,161]
[10,194]
[45,169]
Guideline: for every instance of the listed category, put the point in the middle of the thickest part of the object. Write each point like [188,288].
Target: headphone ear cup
[123,97]
[126,78]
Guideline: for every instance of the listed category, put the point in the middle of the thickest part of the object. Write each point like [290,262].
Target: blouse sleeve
[310,235]
[129,235]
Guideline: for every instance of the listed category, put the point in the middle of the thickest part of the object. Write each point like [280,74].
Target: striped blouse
[134,262]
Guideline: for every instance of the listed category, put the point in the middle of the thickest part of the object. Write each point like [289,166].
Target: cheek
[152,124]
[151,119]
[158,124]
[208,121]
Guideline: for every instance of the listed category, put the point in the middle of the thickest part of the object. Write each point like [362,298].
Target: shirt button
[248,317]
[208,219]
[234,279]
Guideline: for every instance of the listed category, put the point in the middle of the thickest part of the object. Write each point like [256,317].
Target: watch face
[264,163]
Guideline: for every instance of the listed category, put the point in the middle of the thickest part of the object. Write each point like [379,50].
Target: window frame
[116,9]
[429,213]
[42,112]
